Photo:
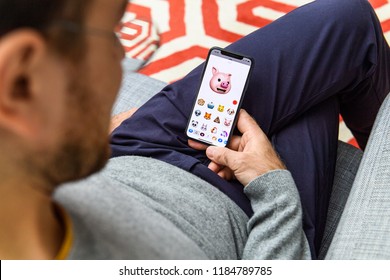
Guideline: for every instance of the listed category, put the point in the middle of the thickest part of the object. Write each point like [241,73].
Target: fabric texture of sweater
[141,208]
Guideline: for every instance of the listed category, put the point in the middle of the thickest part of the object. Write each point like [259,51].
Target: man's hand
[118,119]
[247,157]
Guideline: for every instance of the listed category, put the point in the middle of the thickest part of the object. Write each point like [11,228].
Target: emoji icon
[214,130]
[201,102]
[202,134]
[221,108]
[230,111]
[207,116]
[224,134]
[220,82]
[204,127]
[214,138]
[197,113]
[194,123]
[217,120]
[210,105]
[227,122]
[225,142]
[235,102]
[190,130]
[220,140]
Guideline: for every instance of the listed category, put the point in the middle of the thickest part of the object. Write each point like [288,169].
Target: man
[59,75]
[48,74]
[139,207]
[324,59]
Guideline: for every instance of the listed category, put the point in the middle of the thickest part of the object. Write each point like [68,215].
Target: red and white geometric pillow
[173,36]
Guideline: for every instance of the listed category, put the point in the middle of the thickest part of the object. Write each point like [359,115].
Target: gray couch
[358,222]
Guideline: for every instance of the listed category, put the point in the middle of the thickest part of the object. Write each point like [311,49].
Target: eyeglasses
[77,28]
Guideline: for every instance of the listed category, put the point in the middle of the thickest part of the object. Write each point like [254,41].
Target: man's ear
[19,53]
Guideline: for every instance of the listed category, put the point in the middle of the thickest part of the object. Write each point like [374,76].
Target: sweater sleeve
[275,229]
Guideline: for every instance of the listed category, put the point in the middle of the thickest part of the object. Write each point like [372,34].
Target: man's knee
[354,14]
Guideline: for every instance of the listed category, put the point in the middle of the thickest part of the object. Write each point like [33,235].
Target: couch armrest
[364,228]
[347,164]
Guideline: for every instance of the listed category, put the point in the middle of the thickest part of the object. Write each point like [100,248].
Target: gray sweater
[141,208]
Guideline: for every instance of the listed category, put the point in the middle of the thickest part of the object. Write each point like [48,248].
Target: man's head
[59,75]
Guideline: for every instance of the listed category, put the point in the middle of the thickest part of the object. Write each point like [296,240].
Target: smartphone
[220,94]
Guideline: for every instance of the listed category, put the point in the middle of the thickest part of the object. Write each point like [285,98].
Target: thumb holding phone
[248,156]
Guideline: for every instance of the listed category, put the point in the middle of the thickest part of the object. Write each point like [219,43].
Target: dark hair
[40,15]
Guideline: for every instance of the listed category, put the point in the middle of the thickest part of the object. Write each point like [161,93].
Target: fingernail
[210,151]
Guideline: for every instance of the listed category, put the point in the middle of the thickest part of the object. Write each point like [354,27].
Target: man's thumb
[219,155]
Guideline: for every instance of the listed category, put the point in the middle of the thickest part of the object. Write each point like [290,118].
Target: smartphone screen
[220,95]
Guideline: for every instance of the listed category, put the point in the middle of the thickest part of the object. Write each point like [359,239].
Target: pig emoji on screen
[220,82]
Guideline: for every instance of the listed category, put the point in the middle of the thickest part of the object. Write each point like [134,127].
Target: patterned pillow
[138,33]
[173,36]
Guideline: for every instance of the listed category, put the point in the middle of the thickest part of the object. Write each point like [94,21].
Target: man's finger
[226,173]
[246,123]
[234,142]
[119,118]
[197,145]
[222,156]
[215,167]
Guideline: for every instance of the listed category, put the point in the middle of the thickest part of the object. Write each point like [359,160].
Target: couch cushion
[364,228]
[136,88]
[348,161]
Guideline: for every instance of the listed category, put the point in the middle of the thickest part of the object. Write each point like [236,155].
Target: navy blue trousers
[320,60]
